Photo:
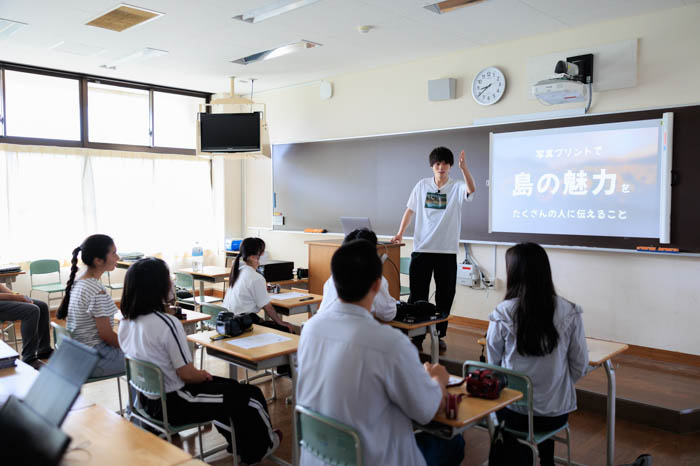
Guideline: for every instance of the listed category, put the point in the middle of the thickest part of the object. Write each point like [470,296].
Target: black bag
[229,324]
[506,450]
[642,460]
[419,311]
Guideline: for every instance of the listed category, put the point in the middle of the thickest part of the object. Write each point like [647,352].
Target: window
[175,120]
[118,115]
[40,106]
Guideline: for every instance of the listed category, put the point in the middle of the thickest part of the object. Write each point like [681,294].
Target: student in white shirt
[536,332]
[437,204]
[247,289]
[384,305]
[368,375]
[88,308]
[150,334]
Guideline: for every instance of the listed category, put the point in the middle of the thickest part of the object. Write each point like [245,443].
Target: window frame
[82,81]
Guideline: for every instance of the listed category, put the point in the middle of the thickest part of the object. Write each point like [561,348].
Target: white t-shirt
[88,300]
[367,375]
[249,293]
[438,215]
[383,306]
[158,338]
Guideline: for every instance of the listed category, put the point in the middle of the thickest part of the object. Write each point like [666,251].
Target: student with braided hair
[88,308]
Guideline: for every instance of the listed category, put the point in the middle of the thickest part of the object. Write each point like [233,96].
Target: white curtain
[52,198]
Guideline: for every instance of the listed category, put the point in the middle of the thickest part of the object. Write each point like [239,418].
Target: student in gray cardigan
[536,332]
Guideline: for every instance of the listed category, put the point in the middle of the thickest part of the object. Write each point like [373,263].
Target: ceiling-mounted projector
[560,91]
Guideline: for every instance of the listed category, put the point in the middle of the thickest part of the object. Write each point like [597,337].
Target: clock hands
[483,89]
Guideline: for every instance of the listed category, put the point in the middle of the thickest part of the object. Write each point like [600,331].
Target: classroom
[366,82]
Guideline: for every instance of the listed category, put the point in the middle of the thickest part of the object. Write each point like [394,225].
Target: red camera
[485,383]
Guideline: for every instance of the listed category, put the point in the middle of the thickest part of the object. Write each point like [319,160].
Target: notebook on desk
[8,356]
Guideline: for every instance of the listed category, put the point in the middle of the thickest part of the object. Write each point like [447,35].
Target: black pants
[517,421]
[444,267]
[222,400]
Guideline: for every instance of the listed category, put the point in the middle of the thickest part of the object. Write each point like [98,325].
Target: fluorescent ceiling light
[276,52]
[273,9]
[449,5]
[9,27]
[77,48]
[140,56]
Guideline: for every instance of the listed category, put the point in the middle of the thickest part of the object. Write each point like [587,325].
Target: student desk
[16,380]
[102,437]
[10,277]
[292,306]
[209,274]
[189,324]
[600,353]
[421,328]
[257,359]
[469,411]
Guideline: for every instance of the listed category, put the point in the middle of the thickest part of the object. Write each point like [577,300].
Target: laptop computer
[351,224]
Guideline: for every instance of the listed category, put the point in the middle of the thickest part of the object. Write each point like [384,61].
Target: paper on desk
[283,296]
[256,341]
[454,379]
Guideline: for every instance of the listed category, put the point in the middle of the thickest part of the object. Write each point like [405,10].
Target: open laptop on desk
[351,224]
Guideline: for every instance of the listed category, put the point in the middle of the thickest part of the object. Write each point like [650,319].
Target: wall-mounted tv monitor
[229,132]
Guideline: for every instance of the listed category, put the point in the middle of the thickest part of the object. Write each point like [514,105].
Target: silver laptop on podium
[351,224]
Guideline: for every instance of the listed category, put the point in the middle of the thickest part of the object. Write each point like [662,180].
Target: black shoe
[442,346]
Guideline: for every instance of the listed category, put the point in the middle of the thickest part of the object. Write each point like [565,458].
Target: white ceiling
[202,38]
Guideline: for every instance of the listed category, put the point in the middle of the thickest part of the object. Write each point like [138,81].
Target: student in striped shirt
[88,308]
[150,334]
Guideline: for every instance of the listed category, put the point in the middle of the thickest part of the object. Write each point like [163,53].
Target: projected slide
[600,180]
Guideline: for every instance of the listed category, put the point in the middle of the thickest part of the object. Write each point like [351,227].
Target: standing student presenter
[437,204]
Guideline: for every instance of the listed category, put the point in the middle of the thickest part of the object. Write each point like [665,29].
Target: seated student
[536,332]
[368,375]
[88,308]
[148,333]
[384,305]
[34,314]
[247,289]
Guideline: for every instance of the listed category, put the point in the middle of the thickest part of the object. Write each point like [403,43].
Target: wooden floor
[588,429]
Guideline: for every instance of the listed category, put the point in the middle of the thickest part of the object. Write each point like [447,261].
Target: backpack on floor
[506,450]
[642,460]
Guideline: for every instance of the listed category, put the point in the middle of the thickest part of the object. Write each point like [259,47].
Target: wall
[644,300]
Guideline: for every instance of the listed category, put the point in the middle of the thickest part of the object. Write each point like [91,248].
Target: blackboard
[315,183]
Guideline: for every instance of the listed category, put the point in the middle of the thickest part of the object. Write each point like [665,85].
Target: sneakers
[442,346]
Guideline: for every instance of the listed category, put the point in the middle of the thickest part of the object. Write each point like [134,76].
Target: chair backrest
[184,280]
[516,381]
[332,441]
[213,310]
[59,334]
[44,266]
[405,265]
[147,378]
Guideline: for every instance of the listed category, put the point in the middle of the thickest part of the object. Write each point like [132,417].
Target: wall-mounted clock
[488,86]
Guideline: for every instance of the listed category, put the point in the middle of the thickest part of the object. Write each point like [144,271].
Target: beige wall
[644,300]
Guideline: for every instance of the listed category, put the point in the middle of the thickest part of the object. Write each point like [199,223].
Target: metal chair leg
[201,448]
[234,450]
[119,391]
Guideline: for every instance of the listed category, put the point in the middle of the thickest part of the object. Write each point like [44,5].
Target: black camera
[419,311]
[229,324]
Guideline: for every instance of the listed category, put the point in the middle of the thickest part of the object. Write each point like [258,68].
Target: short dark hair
[361,233]
[355,267]
[146,288]
[441,154]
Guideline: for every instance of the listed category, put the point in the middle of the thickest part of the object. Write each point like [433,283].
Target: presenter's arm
[468,179]
[407,216]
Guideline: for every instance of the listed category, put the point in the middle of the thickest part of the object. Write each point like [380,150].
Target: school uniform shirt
[367,375]
[438,215]
[553,375]
[383,306]
[249,293]
[158,338]
[88,299]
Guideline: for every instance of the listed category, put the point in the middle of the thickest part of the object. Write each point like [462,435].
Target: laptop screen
[351,224]
[58,385]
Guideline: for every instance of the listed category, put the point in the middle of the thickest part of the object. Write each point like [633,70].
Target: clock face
[488,86]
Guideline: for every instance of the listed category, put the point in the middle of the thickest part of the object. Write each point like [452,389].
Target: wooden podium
[321,252]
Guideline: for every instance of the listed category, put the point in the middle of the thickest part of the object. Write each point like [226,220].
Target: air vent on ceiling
[449,5]
[123,17]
